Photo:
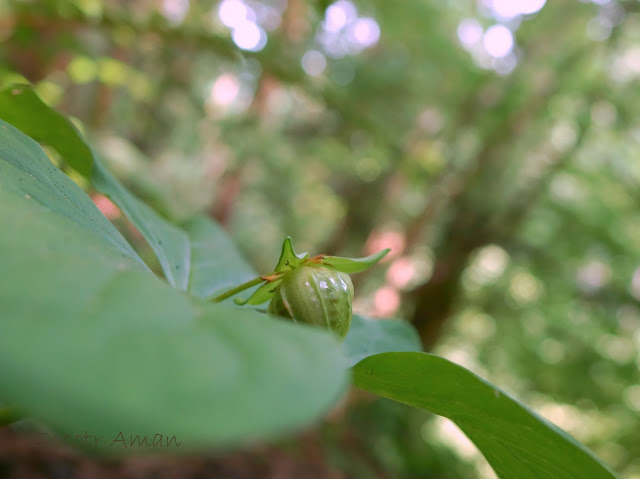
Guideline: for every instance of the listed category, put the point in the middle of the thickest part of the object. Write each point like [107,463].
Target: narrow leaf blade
[170,244]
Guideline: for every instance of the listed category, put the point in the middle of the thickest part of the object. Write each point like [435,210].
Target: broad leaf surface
[91,342]
[373,336]
[20,106]
[517,443]
[27,172]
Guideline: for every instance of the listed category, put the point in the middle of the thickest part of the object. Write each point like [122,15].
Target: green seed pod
[315,295]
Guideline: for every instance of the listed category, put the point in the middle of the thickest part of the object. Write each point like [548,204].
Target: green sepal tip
[353,265]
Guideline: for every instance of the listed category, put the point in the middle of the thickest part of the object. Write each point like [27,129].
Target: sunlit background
[492,144]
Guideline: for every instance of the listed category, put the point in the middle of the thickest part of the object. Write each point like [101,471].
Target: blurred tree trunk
[472,229]
[434,300]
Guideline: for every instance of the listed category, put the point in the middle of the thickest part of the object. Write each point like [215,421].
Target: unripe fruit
[317,296]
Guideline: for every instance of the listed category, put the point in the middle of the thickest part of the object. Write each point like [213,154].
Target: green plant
[92,342]
[316,296]
[311,290]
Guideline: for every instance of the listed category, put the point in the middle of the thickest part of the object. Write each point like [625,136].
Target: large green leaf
[517,443]
[91,342]
[373,336]
[27,172]
[20,106]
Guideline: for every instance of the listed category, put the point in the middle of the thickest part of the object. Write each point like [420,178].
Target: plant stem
[7,416]
[237,289]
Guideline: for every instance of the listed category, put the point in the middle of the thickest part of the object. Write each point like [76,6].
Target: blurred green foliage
[505,177]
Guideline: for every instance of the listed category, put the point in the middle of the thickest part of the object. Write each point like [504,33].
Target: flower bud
[317,296]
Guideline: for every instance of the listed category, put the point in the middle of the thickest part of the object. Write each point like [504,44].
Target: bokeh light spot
[632,397]
[525,288]
[82,70]
[364,32]
[106,206]
[635,284]
[508,9]
[232,13]
[488,265]
[498,41]
[225,90]
[175,10]
[593,276]
[338,15]
[386,239]
[469,32]
[249,36]
[401,272]
[386,301]
[313,63]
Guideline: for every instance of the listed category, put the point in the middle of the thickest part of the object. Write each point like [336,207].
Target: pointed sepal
[288,258]
[262,294]
[353,265]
